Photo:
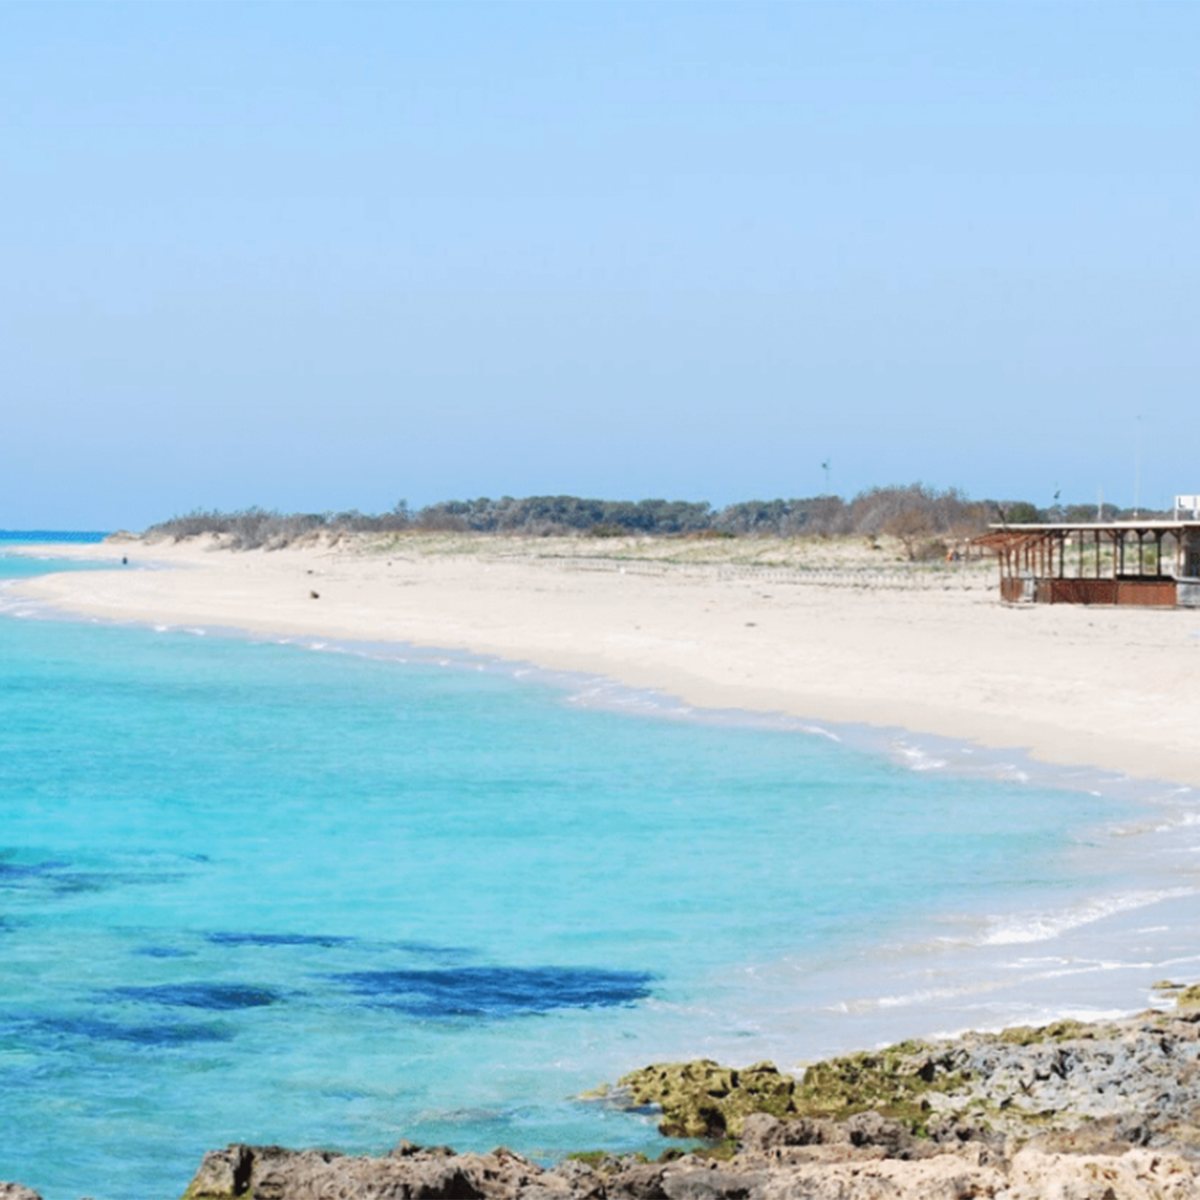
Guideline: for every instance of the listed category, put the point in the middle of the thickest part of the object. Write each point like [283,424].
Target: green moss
[895,1082]
[1056,1031]
[593,1158]
[702,1099]
[1189,997]
[605,1161]
[910,1046]
[202,1194]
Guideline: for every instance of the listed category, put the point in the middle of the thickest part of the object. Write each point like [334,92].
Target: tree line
[921,517]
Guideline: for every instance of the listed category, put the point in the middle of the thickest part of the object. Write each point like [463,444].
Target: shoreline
[1098,1111]
[1068,686]
[201,590]
[895,1004]
[195,590]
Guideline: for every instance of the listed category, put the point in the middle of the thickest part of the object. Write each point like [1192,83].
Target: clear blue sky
[328,256]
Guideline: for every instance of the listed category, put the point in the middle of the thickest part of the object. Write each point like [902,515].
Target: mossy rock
[702,1099]
[1056,1031]
[1189,997]
[607,1161]
[895,1082]
[591,1158]
[722,1151]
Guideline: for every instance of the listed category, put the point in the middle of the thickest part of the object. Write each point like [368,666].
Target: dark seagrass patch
[220,997]
[496,991]
[276,939]
[153,1034]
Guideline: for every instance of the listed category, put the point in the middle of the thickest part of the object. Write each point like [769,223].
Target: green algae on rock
[1189,997]
[1143,1069]
[1056,1031]
[896,1082]
[702,1099]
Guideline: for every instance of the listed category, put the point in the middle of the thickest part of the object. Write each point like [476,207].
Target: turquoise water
[14,537]
[272,892]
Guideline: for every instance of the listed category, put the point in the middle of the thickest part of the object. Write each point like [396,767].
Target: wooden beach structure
[1151,562]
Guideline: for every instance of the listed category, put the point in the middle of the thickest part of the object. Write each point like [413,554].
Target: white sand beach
[1104,687]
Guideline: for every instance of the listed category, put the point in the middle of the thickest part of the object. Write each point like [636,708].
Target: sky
[330,256]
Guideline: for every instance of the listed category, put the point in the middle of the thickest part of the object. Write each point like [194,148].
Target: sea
[286,890]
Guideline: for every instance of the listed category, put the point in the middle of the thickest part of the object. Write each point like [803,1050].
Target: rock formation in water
[14,1191]
[1069,1112]
[1140,1076]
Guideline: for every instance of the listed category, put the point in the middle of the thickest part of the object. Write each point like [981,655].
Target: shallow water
[339,895]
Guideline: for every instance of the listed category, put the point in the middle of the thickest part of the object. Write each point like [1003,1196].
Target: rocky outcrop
[1138,1078]
[776,1163]
[407,1173]
[1067,1111]
[14,1191]
[702,1099]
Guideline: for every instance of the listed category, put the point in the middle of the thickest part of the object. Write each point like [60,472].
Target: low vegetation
[926,522]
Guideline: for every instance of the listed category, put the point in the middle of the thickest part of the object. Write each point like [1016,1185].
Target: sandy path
[1114,688]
